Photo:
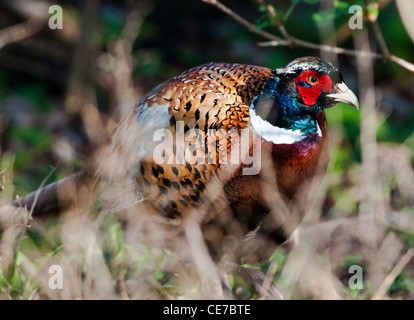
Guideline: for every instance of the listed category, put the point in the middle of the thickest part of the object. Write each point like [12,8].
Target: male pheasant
[231,143]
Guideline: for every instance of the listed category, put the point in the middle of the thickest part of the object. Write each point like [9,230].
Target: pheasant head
[292,98]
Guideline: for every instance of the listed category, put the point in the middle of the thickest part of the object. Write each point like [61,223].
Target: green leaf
[341,5]
[158,274]
[261,26]
[372,11]
[317,17]
[289,11]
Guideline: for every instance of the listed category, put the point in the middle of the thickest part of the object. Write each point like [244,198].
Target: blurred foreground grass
[101,263]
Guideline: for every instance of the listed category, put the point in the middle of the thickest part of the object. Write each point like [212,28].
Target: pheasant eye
[312,80]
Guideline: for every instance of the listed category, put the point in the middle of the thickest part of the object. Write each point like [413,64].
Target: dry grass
[138,256]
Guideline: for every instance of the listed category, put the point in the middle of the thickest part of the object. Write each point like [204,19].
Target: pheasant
[230,143]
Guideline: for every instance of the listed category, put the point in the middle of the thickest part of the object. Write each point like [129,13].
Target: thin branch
[250,26]
[271,10]
[381,41]
[292,41]
[371,205]
[289,11]
[326,48]
[403,63]
[20,31]
[399,267]
[378,33]
[36,198]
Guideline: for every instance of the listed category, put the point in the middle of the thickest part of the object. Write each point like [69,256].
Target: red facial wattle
[311,93]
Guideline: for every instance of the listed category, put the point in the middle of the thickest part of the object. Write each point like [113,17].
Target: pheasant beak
[344,94]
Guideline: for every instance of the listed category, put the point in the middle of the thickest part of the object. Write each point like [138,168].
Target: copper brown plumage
[212,96]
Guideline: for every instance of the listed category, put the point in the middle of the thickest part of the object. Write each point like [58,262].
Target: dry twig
[20,31]
[291,41]
[399,267]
